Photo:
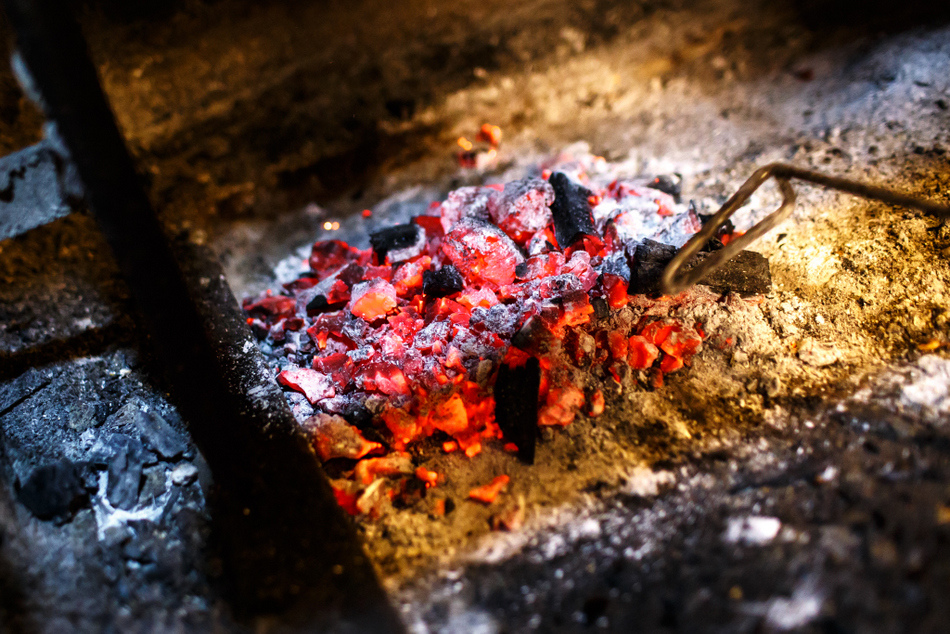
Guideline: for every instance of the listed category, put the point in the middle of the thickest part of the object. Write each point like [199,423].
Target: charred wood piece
[571,210]
[446,281]
[747,273]
[399,243]
[54,491]
[529,336]
[516,406]
[125,471]
[320,304]
[671,184]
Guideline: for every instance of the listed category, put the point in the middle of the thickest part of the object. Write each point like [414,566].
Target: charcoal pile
[548,282]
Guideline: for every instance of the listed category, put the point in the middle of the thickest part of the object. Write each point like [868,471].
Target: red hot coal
[406,340]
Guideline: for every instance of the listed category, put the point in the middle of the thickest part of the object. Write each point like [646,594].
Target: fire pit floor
[795,480]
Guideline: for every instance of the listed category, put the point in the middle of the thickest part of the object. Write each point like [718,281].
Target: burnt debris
[55,491]
[446,281]
[125,471]
[671,184]
[398,243]
[570,209]
[157,435]
[747,273]
[650,258]
[516,405]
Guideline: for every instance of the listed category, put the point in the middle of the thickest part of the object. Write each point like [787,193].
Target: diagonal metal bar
[287,547]
[678,275]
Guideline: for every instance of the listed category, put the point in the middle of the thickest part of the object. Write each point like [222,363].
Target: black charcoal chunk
[399,243]
[516,406]
[714,244]
[125,471]
[158,436]
[529,335]
[601,308]
[746,274]
[671,184]
[649,260]
[570,209]
[446,281]
[521,270]
[54,491]
[727,227]
[318,304]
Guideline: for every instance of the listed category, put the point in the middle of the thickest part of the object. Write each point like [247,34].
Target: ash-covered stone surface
[104,518]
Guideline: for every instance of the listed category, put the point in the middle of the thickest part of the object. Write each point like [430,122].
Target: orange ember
[488,492]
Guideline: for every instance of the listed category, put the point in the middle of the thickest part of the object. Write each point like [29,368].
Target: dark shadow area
[89,342]
[873,15]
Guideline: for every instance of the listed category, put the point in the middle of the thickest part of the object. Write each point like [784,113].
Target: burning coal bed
[502,310]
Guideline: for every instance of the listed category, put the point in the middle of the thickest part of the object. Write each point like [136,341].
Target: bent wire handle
[675,279]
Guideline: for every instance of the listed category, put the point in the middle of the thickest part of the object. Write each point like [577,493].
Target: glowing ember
[488,492]
[404,341]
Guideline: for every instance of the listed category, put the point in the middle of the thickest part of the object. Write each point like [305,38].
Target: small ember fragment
[510,519]
[336,438]
[431,478]
[314,385]
[392,465]
[597,404]
[372,300]
[488,492]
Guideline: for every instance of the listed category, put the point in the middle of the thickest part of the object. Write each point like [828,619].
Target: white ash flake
[184,473]
[292,266]
[920,390]
[929,389]
[798,610]
[109,517]
[818,354]
[753,530]
[646,482]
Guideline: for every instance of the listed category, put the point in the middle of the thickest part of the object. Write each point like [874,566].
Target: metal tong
[677,277]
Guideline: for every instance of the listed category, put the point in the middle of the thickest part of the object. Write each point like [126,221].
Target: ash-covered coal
[55,491]
[479,321]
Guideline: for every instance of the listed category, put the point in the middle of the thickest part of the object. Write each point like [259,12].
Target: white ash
[752,530]
[818,354]
[919,390]
[646,482]
[796,611]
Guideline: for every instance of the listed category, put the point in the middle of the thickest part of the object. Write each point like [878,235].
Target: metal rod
[676,279]
[287,546]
